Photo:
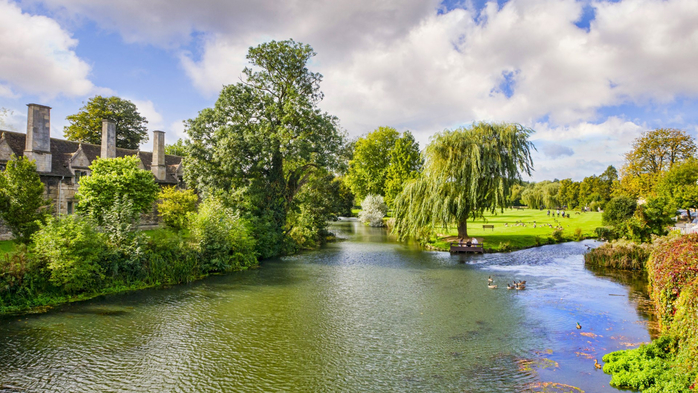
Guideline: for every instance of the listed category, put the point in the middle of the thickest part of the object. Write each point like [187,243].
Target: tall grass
[621,254]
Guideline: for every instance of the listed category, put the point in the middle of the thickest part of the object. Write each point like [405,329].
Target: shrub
[112,179]
[222,238]
[605,233]
[175,205]
[125,240]
[71,249]
[578,234]
[21,198]
[618,210]
[557,235]
[373,209]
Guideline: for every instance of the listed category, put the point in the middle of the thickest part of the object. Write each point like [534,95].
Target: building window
[2,166]
[70,207]
[78,175]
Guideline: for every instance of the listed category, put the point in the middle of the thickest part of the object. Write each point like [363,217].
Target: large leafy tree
[264,138]
[115,181]
[86,125]
[22,203]
[679,185]
[368,167]
[652,153]
[467,172]
[405,165]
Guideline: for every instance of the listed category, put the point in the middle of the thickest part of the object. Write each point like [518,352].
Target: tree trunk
[463,230]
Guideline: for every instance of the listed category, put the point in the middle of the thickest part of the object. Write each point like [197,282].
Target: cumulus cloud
[38,56]
[413,65]
[554,150]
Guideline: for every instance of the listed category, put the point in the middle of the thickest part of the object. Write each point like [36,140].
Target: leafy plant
[175,206]
[22,203]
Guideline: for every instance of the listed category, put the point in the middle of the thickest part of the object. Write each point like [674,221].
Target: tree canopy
[467,172]
[22,198]
[111,181]
[261,142]
[86,125]
[652,153]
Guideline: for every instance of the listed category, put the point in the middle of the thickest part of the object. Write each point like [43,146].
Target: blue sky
[589,76]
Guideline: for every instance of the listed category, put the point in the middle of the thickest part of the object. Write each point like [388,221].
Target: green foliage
[222,238]
[344,198]
[467,172]
[373,209]
[618,210]
[557,235]
[621,254]
[86,125]
[178,148]
[368,168]
[263,139]
[320,199]
[175,205]
[22,200]
[71,249]
[405,165]
[654,152]
[649,368]
[679,185]
[113,179]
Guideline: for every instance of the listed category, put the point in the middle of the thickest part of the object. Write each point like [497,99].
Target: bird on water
[579,326]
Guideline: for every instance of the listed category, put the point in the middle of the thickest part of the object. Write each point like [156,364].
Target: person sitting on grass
[475,241]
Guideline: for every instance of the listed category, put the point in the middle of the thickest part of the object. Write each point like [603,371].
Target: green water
[363,314]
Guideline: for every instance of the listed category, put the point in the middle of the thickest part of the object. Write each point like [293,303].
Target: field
[513,237]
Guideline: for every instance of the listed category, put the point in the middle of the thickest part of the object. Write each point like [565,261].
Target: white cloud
[404,64]
[147,109]
[37,57]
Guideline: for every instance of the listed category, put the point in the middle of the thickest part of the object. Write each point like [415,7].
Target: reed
[620,254]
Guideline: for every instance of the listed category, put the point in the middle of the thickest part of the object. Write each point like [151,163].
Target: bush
[22,198]
[222,238]
[557,235]
[71,249]
[373,209]
[618,210]
[605,233]
[578,234]
[175,206]
[126,242]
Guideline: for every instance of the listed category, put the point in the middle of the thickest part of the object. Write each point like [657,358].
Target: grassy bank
[670,363]
[514,230]
[620,254]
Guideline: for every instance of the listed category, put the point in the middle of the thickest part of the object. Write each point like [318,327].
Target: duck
[579,326]
[596,364]
[512,286]
[490,280]
[520,286]
[492,286]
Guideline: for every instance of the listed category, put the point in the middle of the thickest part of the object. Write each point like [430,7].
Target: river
[362,314]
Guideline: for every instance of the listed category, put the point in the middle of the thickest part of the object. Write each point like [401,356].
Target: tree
[112,180]
[373,209]
[550,192]
[263,139]
[679,185]
[86,125]
[467,172]
[175,205]
[178,148]
[515,194]
[618,210]
[568,193]
[405,165]
[368,167]
[653,152]
[22,203]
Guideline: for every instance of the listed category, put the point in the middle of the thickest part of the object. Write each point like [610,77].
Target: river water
[362,314]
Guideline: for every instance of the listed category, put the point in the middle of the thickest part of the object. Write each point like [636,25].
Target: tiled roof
[62,151]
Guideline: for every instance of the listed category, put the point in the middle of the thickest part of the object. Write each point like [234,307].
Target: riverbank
[669,363]
[517,229]
[71,262]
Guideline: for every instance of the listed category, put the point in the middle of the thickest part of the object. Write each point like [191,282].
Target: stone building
[61,163]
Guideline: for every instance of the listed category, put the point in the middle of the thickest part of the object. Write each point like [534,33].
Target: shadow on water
[362,314]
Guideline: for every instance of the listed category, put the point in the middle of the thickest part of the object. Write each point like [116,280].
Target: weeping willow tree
[467,172]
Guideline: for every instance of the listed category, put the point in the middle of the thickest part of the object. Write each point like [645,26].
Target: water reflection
[363,314]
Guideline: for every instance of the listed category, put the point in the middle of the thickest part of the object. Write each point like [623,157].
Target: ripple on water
[365,314]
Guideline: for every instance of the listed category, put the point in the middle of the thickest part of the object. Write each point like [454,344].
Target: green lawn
[6,246]
[513,237]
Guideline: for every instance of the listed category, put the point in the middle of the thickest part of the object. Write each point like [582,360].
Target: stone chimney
[158,166]
[108,139]
[38,142]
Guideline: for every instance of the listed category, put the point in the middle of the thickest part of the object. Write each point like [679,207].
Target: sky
[589,76]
